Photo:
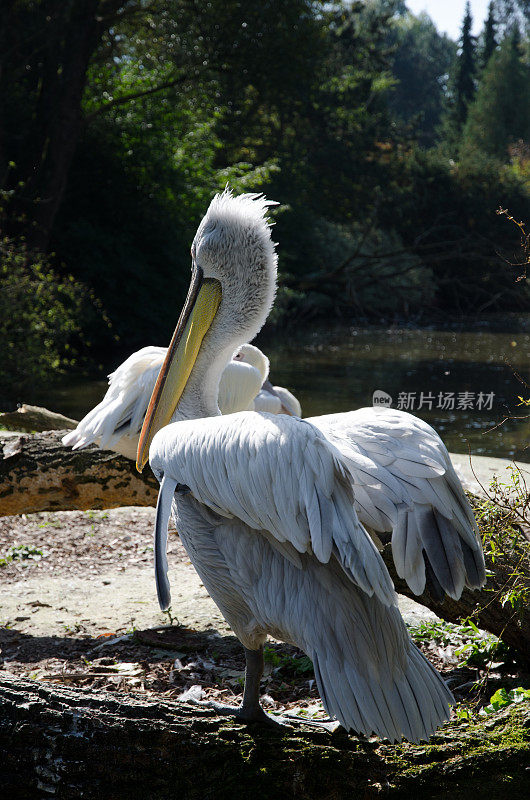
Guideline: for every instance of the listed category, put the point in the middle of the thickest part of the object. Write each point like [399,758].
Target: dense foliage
[41,320]
[389,147]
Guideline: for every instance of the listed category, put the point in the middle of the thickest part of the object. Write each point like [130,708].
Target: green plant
[503,698]
[442,633]
[463,712]
[21,552]
[472,646]
[500,516]
[482,650]
[97,515]
[173,619]
[287,664]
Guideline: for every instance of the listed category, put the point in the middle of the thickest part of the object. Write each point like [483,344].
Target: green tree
[490,43]
[513,14]
[109,159]
[41,321]
[66,63]
[462,84]
[500,115]
[420,61]
[465,70]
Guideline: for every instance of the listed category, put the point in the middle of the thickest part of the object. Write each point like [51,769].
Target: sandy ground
[95,575]
[477,472]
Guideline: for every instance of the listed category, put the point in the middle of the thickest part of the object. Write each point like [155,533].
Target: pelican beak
[200,308]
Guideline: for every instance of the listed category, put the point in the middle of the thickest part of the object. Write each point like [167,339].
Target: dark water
[341,370]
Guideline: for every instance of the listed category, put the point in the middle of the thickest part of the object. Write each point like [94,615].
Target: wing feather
[403,480]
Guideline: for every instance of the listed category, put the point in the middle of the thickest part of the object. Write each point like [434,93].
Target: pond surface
[340,370]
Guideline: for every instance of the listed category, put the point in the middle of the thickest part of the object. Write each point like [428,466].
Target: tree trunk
[37,473]
[69,743]
[63,84]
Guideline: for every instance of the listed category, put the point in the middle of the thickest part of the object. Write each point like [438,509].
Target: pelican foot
[253,714]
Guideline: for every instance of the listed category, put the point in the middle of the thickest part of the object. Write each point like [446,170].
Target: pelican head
[249,354]
[232,289]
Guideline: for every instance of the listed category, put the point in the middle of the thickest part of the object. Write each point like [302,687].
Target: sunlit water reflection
[341,370]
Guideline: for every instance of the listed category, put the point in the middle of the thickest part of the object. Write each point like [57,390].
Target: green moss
[463,757]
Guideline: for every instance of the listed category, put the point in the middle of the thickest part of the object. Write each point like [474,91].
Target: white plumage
[269,525]
[276,400]
[270,509]
[115,423]
[404,483]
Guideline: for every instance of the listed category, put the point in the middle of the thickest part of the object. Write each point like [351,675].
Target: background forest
[389,147]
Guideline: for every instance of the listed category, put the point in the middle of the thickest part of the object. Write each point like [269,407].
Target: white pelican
[115,423]
[266,505]
[276,400]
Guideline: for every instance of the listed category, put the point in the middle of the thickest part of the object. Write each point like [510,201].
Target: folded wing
[115,423]
[403,481]
[273,473]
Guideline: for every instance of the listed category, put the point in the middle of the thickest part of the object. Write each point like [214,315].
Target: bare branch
[126,98]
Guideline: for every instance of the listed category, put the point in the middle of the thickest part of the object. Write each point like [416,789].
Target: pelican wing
[267,402]
[114,424]
[289,402]
[403,481]
[276,474]
[276,400]
[369,674]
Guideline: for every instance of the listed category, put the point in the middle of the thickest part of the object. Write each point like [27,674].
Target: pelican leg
[250,709]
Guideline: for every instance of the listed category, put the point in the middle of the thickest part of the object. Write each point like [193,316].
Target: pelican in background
[270,508]
[115,423]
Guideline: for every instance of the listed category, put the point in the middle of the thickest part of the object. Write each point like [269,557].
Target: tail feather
[410,703]
[411,706]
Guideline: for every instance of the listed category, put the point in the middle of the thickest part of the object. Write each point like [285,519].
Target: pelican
[276,400]
[115,423]
[271,508]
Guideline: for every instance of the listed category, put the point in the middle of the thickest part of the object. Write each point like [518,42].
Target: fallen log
[37,473]
[68,743]
[35,418]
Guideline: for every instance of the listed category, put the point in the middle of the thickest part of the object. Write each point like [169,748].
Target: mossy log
[69,743]
[37,473]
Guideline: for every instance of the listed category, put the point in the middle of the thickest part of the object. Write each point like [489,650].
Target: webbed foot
[252,714]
